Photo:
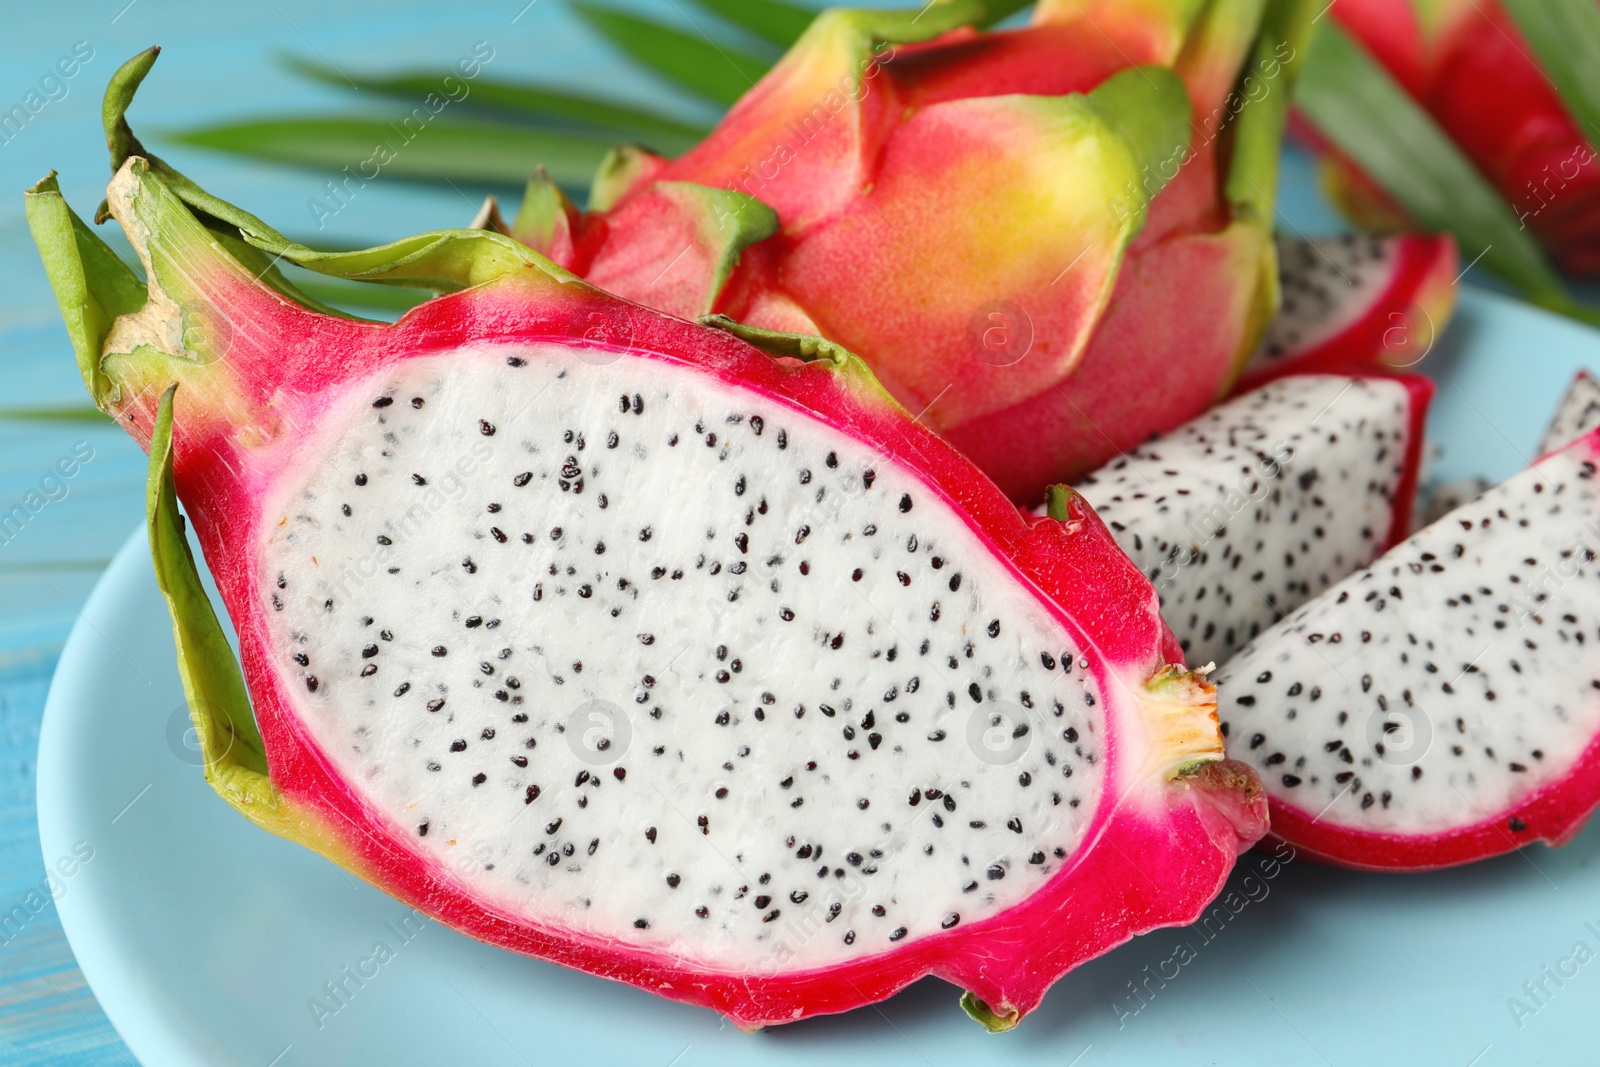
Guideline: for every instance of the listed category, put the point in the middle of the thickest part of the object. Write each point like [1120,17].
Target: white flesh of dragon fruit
[1260,504]
[1577,414]
[1327,283]
[1445,682]
[785,740]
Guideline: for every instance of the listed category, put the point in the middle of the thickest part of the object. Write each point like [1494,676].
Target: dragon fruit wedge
[1439,706]
[1018,230]
[1247,512]
[1356,300]
[619,641]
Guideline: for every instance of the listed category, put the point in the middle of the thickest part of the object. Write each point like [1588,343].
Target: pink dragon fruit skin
[1000,223]
[1467,63]
[252,405]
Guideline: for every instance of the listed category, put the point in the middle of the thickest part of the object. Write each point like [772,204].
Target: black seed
[361,479]
[383,401]
[486,427]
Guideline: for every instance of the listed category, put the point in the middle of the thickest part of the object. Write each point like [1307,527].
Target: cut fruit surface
[782,638]
[1439,706]
[1262,503]
[617,640]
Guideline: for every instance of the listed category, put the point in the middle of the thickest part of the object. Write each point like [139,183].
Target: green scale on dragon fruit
[1441,705]
[623,642]
[1247,512]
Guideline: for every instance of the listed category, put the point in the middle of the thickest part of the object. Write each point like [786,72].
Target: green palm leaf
[72,413]
[453,149]
[718,72]
[520,100]
[771,20]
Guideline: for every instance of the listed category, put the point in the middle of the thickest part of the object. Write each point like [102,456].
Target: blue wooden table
[220,62]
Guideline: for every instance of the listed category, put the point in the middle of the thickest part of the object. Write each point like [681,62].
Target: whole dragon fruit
[1050,242]
[1467,63]
[612,639]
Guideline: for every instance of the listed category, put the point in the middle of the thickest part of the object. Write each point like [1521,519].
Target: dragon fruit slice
[998,222]
[1439,706]
[1356,300]
[1577,414]
[612,639]
[1247,512]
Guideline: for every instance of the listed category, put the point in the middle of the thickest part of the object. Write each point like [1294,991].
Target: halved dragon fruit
[612,639]
[1440,705]
[1356,300]
[1247,512]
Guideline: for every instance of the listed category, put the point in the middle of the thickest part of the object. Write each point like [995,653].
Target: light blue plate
[210,943]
